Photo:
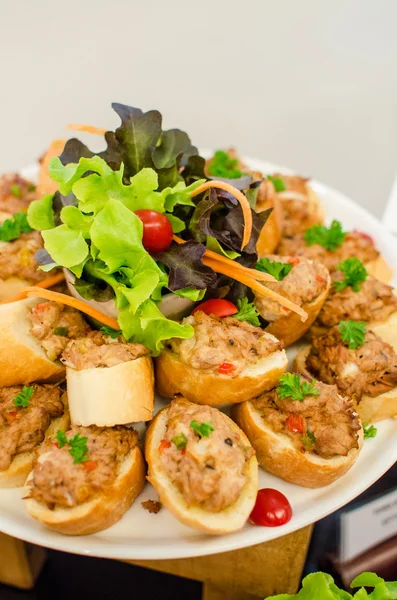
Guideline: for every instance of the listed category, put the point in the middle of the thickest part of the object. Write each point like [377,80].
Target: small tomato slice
[271,509]
[294,423]
[225,368]
[217,307]
[366,236]
[157,230]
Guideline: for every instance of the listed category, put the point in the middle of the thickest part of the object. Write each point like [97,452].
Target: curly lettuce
[99,237]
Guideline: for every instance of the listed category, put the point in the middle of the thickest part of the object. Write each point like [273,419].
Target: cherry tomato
[225,368]
[163,445]
[271,508]
[217,307]
[157,230]
[295,423]
[90,465]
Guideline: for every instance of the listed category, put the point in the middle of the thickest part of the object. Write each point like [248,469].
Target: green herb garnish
[180,441]
[113,333]
[292,386]
[78,446]
[247,312]
[309,439]
[353,332]
[62,331]
[203,429]
[12,228]
[279,270]
[21,400]
[278,182]
[223,165]
[354,274]
[370,431]
[329,238]
[15,190]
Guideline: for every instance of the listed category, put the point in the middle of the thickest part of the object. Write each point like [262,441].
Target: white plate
[141,535]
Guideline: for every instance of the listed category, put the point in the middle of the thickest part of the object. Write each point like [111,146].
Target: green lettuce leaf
[66,246]
[41,214]
[191,293]
[214,245]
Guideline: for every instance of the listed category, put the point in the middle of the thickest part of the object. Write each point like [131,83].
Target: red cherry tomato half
[217,307]
[271,509]
[157,231]
[294,423]
[225,368]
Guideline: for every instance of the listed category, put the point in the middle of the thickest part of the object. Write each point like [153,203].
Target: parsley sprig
[278,182]
[279,270]
[370,431]
[354,274]
[203,429]
[13,228]
[223,165]
[353,333]
[329,238]
[292,386]
[21,400]
[78,446]
[247,312]
[113,333]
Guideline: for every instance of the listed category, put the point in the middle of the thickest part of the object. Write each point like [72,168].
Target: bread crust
[129,386]
[11,287]
[101,512]
[276,453]
[19,469]
[230,519]
[290,328]
[369,409]
[270,234]
[379,269]
[174,376]
[22,359]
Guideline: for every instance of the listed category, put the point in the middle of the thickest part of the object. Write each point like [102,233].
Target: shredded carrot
[86,128]
[245,207]
[258,275]
[74,303]
[255,285]
[46,283]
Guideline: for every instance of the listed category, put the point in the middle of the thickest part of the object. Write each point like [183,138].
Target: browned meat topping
[371,369]
[16,193]
[17,258]
[223,340]
[375,301]
[21,429]
[355,244]
[58,481]
[54,325]
[152,506]
[97,350]
[303,284]
[325,425]
[297,209]
[209,471]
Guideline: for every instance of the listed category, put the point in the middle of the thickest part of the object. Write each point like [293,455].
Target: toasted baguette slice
[316,213]
[379,269]
[290,328]
[22,359]
[230,519]
[101,512]
[270,234]
[174,376]
[370,409]
[108,396]
[277,454]
[19,469]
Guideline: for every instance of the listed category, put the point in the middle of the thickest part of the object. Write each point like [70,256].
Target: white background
[311,84]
